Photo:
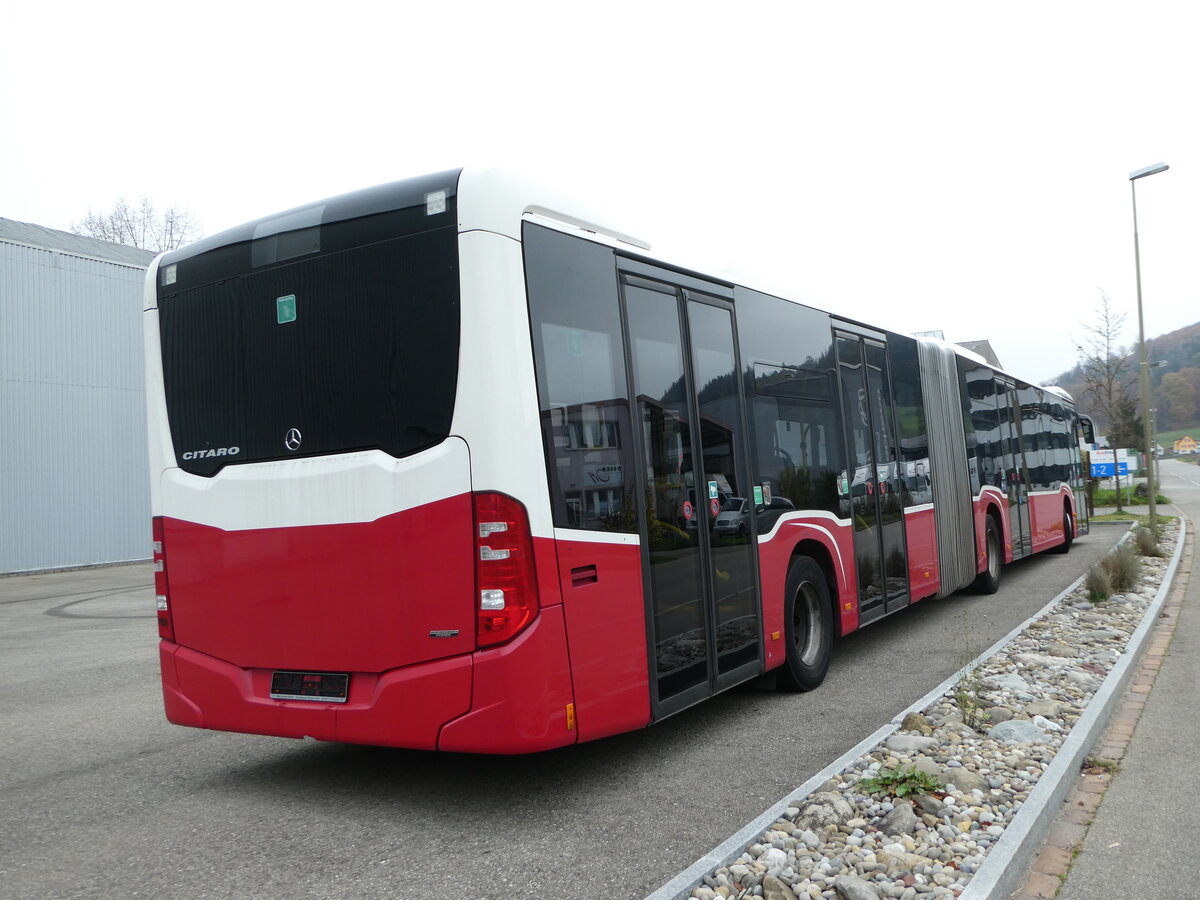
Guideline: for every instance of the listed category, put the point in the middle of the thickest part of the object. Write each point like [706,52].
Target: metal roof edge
[76,255]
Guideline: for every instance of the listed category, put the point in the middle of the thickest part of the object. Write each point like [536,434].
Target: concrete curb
[1004,869]
[1028,826]
[680,887]
[1068,833]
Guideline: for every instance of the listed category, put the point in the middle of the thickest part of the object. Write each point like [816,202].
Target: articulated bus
[454,464]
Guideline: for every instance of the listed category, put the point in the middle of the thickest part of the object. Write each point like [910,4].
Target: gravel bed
[986,741]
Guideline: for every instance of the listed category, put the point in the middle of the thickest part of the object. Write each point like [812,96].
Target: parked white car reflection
[734,517]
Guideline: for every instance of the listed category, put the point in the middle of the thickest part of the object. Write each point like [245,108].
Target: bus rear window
[325,353]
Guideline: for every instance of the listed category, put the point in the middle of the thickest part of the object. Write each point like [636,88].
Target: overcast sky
[954,166]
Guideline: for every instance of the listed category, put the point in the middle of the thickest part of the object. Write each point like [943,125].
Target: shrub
[1098,583]
[1146,541]
[968,698]
[1124,567]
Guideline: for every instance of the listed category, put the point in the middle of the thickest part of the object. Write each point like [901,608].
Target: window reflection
[668,461]
[791,387]
[721,436]
[582,389]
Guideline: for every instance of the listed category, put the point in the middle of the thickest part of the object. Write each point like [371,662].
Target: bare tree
[141,225]
[1107,368]
[1107,372]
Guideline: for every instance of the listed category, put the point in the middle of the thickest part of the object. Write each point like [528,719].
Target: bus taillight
[162,593]
[505,581]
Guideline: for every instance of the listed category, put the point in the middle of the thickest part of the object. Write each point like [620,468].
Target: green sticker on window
[285,309]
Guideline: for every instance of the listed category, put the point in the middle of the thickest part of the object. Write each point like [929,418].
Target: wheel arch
[992,510]
[819,553]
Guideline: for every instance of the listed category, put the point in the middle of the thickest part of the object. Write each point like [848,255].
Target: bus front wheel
[808,626]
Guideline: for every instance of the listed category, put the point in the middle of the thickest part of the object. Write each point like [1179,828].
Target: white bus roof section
[1059,392]
[497,200]
[957,349]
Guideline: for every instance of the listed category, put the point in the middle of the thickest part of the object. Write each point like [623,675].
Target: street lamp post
[1144,367]
[1153,431]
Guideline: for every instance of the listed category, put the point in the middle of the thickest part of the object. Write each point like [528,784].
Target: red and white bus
[453,464]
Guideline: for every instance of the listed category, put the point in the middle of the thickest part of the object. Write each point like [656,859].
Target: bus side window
[797,465]
[580,363]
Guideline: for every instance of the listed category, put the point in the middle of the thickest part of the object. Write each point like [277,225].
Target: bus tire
[988,581]
[808,626]
[1068,533]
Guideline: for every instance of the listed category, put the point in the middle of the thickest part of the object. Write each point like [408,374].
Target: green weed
[900,782]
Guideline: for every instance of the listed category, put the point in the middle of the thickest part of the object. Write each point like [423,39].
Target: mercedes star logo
[292,439]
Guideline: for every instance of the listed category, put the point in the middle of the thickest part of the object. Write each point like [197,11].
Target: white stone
[1018,731]
[908,743]
[772,857]
[1008,682]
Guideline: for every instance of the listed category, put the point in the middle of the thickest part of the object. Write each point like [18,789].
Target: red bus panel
[354,597]
[605,615]
[920,529]
[402,708]
[520,696]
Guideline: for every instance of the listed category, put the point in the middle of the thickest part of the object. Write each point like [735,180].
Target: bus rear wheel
[808,626]
[988,581]
[1068,533]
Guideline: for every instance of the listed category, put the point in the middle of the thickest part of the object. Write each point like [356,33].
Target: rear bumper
[510,699]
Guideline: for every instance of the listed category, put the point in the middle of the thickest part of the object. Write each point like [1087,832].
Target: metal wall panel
[73,470]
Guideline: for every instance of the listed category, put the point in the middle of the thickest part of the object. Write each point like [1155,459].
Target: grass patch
[1095,766]
[1168,438]
[1127,516]
[1108,497]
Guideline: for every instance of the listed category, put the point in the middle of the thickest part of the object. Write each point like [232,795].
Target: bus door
[1018,481]
[873,475]
[1081,434]
[696,506]
[1009,448]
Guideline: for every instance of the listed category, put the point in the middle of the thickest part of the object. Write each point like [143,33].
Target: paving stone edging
[1003,870]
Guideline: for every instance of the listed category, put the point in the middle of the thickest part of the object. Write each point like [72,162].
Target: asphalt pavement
[106,799]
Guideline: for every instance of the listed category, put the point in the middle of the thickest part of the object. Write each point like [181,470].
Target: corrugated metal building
[73,470]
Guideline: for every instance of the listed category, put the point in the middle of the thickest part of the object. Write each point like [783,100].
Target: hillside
[1174,384]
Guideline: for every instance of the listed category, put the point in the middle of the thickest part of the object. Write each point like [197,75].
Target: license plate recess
[326,687]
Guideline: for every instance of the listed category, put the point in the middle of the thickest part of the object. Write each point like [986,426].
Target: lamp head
[1149,170]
